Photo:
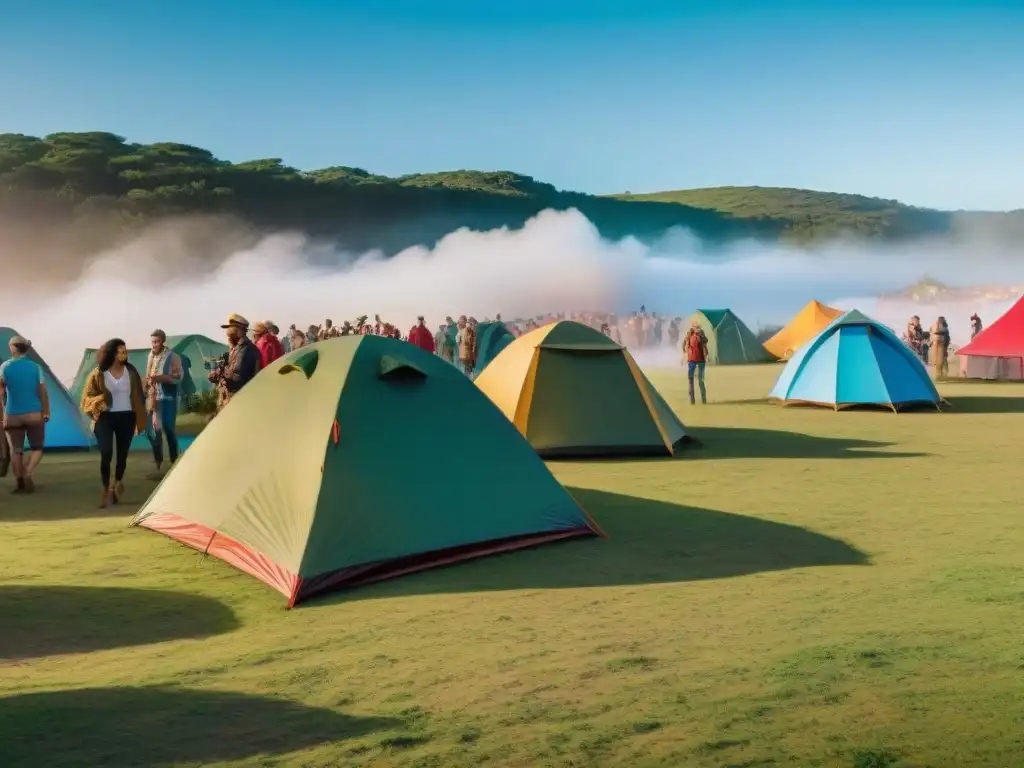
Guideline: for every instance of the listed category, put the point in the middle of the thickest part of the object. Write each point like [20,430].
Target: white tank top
[120,391]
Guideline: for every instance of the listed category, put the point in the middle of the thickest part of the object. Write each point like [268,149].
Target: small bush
[201,402]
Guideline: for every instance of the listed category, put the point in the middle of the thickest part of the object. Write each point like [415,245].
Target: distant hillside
[70,194]
[805,215]
[930,291]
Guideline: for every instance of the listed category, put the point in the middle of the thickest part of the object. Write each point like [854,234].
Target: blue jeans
[167,411]
[698,368]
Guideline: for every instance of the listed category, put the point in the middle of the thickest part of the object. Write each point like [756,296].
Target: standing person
[297,340]
[467,345]
[915,338]
[451,330]
[673,332]
[939,338]
[975,325]
[164,373]
[289,338]
[115,400]
[267,343]
[26,410]
[695,352]
[420,335]
[241,363]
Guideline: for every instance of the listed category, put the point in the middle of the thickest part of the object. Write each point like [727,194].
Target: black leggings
[114,426]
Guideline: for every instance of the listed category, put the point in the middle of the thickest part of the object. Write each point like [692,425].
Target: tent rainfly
[572,391]
[805,325]
[730,341]
[338,485]
[998,351]
[856,361]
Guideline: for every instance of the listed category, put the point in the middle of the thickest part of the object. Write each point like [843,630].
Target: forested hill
[102,187]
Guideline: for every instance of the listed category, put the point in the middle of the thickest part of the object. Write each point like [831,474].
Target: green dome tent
[491,339]
[730,342]
[339,485]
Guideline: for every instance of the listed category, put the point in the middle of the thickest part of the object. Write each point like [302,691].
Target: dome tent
[338,484]
[998,351]
[804,326]
[67,427]
[574,392]
[730,341]
[856,361]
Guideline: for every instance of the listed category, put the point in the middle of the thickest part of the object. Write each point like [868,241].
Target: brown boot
[104,499]
[118,491]
[112,494]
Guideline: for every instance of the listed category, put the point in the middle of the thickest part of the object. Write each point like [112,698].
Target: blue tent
[67,426]
[855,361]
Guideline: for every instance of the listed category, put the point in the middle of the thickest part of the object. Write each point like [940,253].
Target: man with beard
[240,364]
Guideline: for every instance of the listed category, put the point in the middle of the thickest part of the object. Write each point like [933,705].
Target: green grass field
[809,588]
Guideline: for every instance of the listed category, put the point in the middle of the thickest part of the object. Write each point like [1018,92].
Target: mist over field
[557,261]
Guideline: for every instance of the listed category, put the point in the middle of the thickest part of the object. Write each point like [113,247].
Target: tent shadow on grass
[163,725]
[52,620]
[649,542]
[743,443]
[980,405]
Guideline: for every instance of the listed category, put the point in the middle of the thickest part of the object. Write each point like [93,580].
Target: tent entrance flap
[397,368]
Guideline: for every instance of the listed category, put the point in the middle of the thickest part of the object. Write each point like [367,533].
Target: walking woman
[116,402]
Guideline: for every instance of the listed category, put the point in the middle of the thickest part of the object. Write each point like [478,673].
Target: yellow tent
[572,391]
[805,325]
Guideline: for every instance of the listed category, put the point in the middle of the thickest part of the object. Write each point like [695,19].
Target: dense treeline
[104,186]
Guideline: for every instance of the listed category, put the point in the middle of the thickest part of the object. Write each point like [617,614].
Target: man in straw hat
[26,411]
[241,363]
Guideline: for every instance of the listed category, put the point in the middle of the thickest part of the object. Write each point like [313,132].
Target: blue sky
[923,102]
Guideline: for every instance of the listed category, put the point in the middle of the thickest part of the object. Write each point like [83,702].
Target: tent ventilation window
[393,368]
[305,362]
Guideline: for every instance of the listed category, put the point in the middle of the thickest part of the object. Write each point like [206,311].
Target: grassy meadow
[808,588]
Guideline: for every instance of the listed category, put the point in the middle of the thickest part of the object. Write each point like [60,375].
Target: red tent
[998,351]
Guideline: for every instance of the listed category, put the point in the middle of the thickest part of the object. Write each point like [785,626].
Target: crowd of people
[123,402]
[933,345]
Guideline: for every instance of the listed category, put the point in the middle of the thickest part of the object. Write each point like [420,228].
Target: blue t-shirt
[21,378]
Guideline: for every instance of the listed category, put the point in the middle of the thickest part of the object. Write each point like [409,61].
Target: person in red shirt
[269,346]
[695,353]
[421,336]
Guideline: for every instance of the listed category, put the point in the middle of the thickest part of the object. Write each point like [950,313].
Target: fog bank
[556,262]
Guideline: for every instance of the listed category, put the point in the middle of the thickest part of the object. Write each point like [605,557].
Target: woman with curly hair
[115,400]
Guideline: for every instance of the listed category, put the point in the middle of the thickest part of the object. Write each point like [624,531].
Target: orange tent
[805,325]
